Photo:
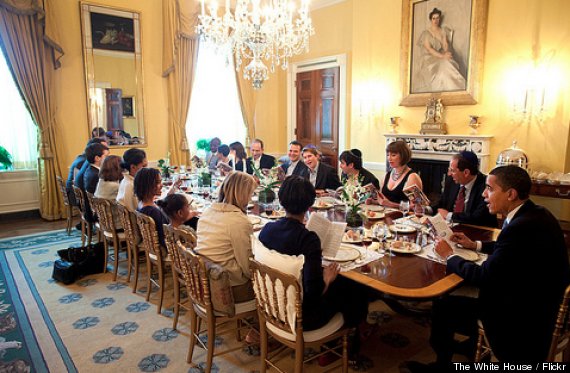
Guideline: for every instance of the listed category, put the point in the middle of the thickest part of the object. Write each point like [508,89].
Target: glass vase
[353,219]
[266,196]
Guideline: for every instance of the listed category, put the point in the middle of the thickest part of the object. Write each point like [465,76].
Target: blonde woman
[224,233]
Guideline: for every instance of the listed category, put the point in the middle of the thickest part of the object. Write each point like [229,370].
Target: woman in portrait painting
[438,71]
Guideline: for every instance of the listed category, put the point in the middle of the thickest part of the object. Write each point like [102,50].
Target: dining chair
[154,256]
[187,238]
[134,243]
[279,305]
[559,345]
[110,232]
[66,203]
[86,227]
[196,270]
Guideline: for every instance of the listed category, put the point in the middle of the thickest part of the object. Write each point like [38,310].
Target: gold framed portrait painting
[442,50]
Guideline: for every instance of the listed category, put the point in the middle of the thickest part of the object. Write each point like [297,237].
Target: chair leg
[161,290]
[106,245]
[176,299]
[345,353]
[83,229]
[211,340]
[299,355]
[193,336]
[116,251]
[136,264]
[69,219]
[129,262]
[149,275]
[263,346]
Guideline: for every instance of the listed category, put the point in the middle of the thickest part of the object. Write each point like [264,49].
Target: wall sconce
[394,123]
[531,88]
[474,124]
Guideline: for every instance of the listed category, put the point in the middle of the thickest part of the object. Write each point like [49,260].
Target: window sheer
[215,108]
[19,133]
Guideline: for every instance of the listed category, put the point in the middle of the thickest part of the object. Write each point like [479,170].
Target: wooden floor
[28,223]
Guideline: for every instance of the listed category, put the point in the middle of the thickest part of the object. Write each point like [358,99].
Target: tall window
[214,105]
[19,133]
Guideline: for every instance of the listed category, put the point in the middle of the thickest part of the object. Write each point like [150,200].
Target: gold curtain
[29,42]
[247,97]
[180,52]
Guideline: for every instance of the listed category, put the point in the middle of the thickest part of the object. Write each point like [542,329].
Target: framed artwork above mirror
[113,73]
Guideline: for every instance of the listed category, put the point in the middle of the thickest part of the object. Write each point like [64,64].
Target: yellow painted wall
[70,78]
[333,36]
[517,30]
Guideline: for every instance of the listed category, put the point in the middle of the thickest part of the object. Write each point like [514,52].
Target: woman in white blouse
[133,160]
[224,233]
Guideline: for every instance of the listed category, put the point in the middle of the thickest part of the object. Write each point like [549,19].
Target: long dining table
[407,276]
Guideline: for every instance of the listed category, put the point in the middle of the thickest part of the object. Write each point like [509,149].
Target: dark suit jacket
[79,178]
[476,211]
[521,284]
[366,177]
[299,168]
[91,179]
[267,161]
[327,178]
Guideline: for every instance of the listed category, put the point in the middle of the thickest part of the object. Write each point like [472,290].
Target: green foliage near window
[203,144]
[5,159]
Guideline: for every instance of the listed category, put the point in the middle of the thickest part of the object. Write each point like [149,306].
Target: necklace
[396,175]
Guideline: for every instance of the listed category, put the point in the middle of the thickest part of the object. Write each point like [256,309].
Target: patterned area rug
[97,325]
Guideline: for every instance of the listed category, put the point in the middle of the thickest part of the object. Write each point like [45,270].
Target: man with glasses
[462,197]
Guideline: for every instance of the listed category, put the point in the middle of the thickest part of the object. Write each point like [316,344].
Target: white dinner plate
[254,219]
[376,208]
[344,254]
[322,205]
[402,228]
[348,239]
[273,215]
[406,248]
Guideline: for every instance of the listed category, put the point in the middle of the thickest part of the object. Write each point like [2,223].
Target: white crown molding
[318,4]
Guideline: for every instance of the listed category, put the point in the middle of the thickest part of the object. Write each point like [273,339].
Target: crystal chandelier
[259,35]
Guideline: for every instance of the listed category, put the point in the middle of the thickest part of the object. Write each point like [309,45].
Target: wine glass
[419,210]
[379,231]
[405,207]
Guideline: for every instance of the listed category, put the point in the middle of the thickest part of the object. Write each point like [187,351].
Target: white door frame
[338,60]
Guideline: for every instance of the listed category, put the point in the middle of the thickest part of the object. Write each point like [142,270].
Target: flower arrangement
[267,179]
[165,168]
[203,144]
[353,194]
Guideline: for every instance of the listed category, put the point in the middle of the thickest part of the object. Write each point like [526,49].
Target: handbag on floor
[64,271]
[94,261]
[74,254]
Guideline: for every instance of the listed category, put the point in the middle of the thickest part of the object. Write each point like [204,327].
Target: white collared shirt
[313,175]
[291,168]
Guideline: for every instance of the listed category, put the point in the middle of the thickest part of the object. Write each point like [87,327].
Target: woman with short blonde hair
[224,233]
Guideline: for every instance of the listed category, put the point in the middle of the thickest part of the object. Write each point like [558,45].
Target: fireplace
[431,155]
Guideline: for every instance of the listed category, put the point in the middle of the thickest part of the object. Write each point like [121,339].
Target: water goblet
[378,233]
[405,207]
[419,210]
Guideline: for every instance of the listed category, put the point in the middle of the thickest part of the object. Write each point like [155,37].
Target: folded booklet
[224,166]
[415,194]
[330,233]
[440,228]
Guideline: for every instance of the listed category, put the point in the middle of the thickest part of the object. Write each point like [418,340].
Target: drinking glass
[378,232]
[419,210]
[405,207]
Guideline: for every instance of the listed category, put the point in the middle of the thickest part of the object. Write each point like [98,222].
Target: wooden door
[317,111]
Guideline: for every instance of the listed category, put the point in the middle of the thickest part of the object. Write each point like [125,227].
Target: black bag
[65,272]
[94,261]
[74,254]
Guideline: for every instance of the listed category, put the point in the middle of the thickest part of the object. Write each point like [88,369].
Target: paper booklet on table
[330,233]
[441,228]
[414,193]
[224,166]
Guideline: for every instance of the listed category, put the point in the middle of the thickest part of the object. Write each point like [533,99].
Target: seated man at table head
[224,232]
[258,158]
[520,284]
[294,165]
[212,154]
[321,175]
[462,199]
[398,154]
[351,165]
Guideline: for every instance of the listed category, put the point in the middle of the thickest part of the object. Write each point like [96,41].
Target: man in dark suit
[462,198]
[94,154]
[258,159]
[520,284]
[79,163]
[321,175]
[295,165]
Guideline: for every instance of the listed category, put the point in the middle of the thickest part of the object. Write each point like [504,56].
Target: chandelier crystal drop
[261,36]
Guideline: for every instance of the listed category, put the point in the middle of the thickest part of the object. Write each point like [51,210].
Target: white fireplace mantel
[443,147]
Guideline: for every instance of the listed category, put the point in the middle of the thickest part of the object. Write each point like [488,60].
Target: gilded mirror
[113,73]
